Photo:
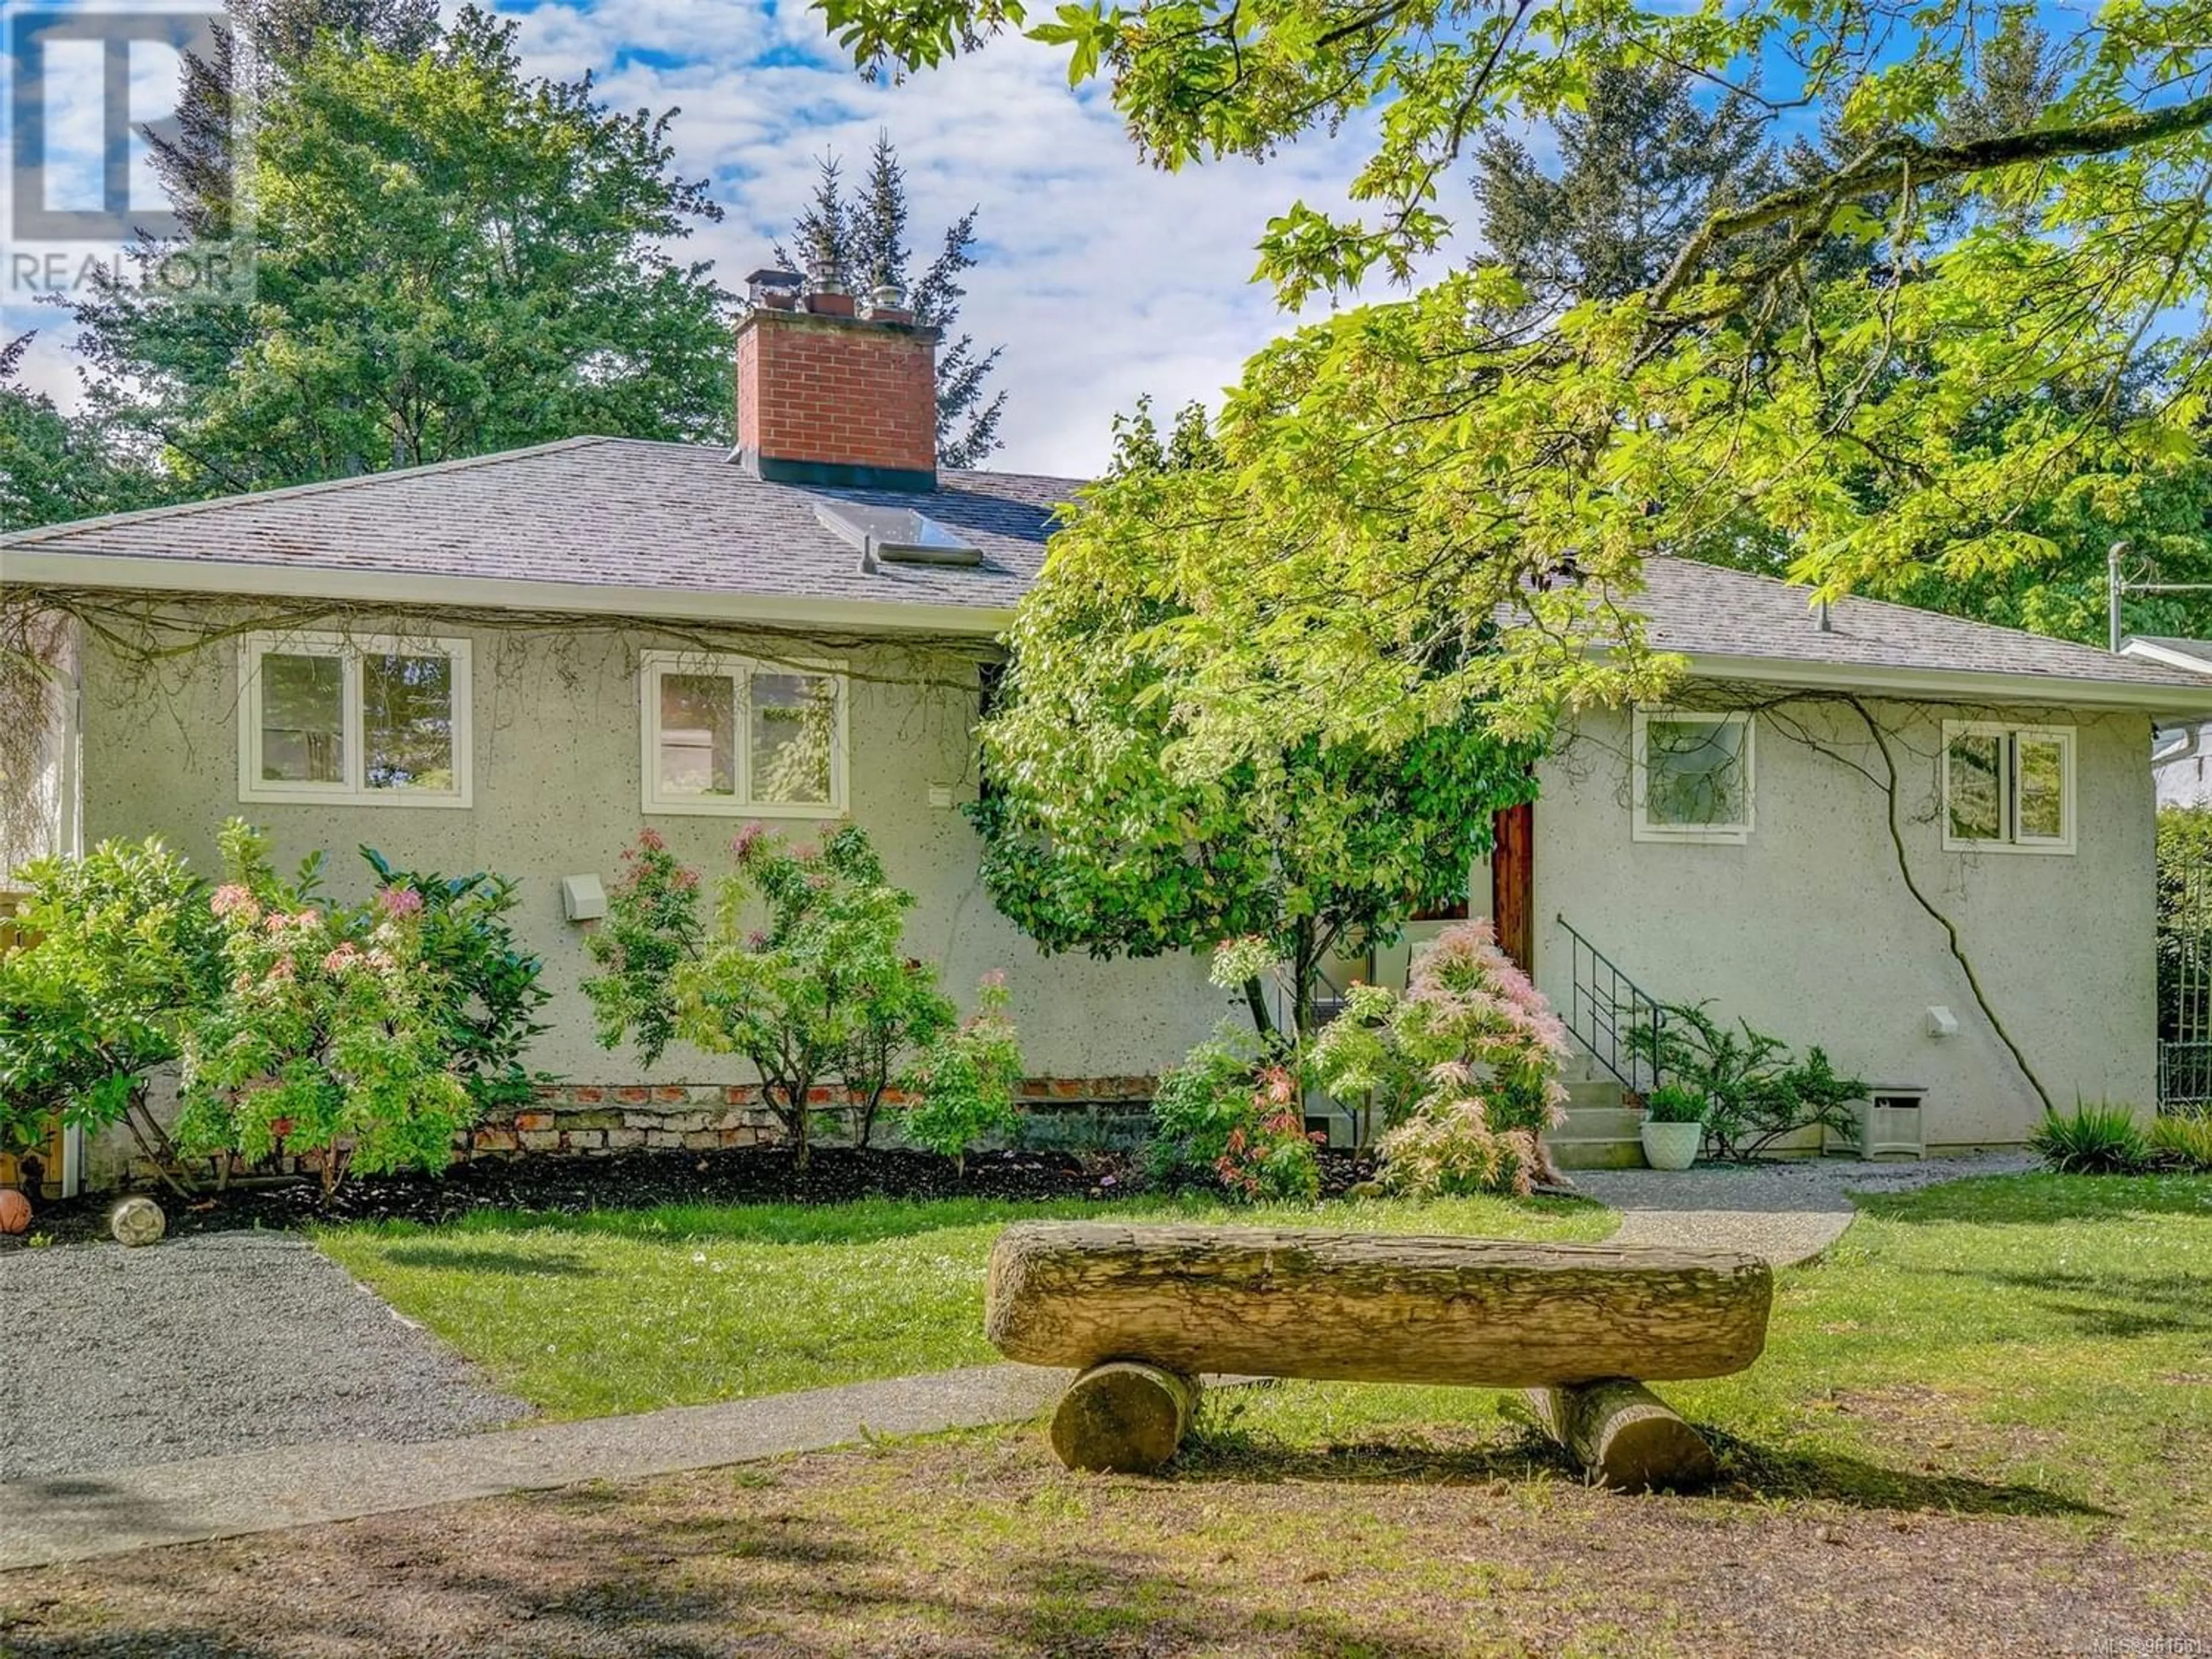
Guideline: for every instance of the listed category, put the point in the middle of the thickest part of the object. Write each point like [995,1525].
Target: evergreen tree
[1640,167]
[451,259]
[858,239]
[276,37]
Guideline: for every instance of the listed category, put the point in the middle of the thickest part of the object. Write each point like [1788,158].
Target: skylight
[897,535]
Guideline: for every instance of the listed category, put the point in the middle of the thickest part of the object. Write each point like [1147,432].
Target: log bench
[1140,1312]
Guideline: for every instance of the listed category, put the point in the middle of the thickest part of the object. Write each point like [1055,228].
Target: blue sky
[1103,279]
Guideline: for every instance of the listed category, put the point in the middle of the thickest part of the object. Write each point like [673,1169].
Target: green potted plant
[1673,1127]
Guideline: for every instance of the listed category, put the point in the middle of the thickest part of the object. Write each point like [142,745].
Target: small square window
[728,735]
[327,717]
[1693,776]
[2008,788]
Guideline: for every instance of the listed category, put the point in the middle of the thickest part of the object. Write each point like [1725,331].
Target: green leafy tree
[802,997]
[274,38]
[329,1037]
[452,258]
[1432,504]
[127,956]
[53,466]
[965,1078]
[1107,831]
[858,238]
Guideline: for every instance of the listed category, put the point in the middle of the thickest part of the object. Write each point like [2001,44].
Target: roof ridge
[285,492]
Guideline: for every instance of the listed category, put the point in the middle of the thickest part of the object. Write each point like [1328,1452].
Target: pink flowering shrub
[1271,1156]
[1464,1068]
[324,1038]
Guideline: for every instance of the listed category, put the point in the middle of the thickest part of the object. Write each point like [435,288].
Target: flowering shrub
[127,953]
[966,1078]
[324,1038]
[1233,1112]
[1464,1068]
[811,997]
[485,989]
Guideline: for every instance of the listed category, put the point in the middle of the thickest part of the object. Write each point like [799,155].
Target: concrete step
[1602,1123]
[1587,1153]
[1602,1093]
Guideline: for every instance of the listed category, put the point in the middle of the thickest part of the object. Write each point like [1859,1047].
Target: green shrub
[1674,1103]
[1755,1092]
[486,990]
[820,992]
[127,956]
[2100,1140]
[1233,1114]
[1464,1068]
[329,1037]
[2183,1143]
[966,1078]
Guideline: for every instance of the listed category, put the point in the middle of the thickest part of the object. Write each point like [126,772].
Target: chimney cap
[770,278]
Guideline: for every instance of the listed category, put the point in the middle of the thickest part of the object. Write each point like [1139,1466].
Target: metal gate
[2184,990]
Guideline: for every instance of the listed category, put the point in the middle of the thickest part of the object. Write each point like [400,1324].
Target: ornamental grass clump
[1464,1068]
[2099,1139]
[327,1039]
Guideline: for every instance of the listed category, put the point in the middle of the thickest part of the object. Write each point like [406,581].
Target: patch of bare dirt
[981,1546]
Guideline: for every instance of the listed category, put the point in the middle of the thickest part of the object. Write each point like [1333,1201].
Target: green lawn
[2030,1345]
[627,1310]
[2036,1346]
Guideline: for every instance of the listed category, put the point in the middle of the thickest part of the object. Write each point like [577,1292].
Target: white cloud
[1103,279]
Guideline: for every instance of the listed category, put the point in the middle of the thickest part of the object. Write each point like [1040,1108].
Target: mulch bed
[631,1181]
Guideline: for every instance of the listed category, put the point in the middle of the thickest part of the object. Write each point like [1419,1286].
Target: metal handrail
[1606,1009]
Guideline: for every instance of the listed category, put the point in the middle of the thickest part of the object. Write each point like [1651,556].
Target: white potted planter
[1673,1128]
[1672,1145]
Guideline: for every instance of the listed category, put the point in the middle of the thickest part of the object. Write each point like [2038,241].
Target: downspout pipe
[2174,743]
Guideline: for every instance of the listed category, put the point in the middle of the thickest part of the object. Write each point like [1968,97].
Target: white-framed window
[728,735]
[2008,788]
[1693,775]
[362,721]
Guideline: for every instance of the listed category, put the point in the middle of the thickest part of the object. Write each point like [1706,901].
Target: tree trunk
[1624,1435]
[1255,999]
[1366,1309]
[1123,1416]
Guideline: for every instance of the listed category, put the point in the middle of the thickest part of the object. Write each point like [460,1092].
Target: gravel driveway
[219,1343]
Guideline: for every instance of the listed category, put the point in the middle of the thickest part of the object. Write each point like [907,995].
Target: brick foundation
[596,1120]
[600,1120]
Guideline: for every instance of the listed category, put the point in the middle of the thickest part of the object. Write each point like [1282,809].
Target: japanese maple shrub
[800,971]
[1232,1115]
[127,955]
[328,1038]
[1464,1067]
[964,1079]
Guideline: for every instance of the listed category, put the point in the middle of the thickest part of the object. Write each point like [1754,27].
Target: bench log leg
[1124,1417]
[1624,1435]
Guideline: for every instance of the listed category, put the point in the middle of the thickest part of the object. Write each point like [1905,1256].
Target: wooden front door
[1513,883]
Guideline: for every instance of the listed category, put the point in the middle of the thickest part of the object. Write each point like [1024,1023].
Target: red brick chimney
[831,393]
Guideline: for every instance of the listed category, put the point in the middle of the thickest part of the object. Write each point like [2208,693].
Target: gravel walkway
[203,1345]
[1786,1212]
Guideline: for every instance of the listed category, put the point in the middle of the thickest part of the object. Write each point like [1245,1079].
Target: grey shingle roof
[1706,611]
[680,518]
[608,512]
